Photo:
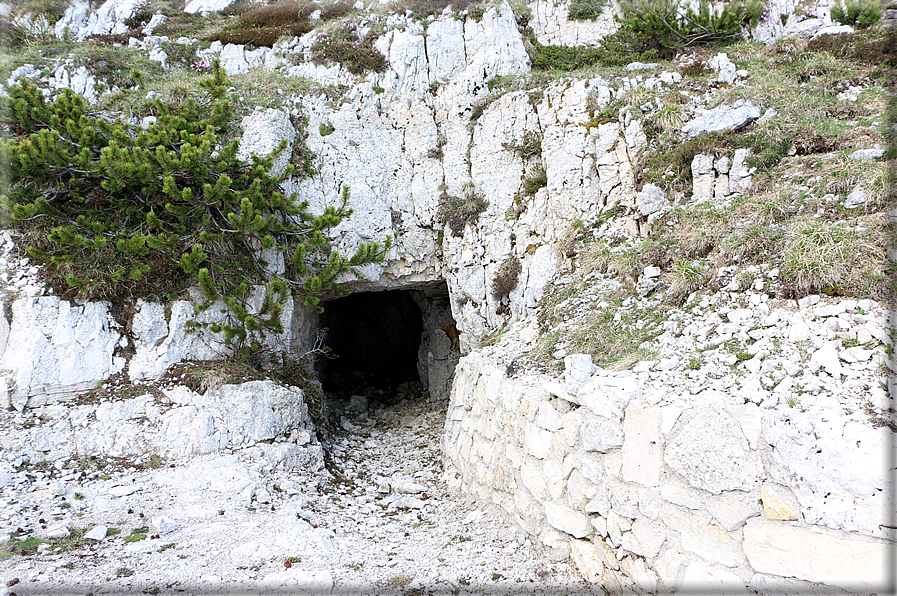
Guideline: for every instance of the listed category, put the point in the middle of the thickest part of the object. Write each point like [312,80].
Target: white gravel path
[227,522]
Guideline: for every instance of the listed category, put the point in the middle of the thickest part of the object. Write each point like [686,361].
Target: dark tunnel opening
[375,338]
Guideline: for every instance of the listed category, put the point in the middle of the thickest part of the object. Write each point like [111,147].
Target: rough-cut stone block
[579,490]
[606,554]
[680,497]
[732,509]
[711,453]
[601,435]
[670,568]
[645,539]
[567,520]
[617,526]
[587,560]
[570,424]
[536,441]
[547,417]
[643,445]
[782,548]
[708,542]
[700,578]
[777,504]
[638,571]
[651,199]
[624,500]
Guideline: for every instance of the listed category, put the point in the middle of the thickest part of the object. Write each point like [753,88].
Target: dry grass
[833,257]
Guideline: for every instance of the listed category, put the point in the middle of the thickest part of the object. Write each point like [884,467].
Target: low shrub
[113,211]
[859,14]
[566,58]
[12,35]
[527,147]
[426,8]
[585,10]
[537,179]
[870,46]
[265,25]
[344,46]
[506,278]
[666,26]
[52,10]
[457,212]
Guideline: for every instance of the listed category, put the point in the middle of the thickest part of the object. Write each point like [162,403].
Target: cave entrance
[390,345]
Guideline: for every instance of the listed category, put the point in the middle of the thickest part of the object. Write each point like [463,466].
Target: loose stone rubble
[381,523]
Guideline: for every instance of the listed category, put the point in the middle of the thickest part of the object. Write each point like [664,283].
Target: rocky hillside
[663,260]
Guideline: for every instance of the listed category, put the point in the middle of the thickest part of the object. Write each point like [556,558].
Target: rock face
[108,18]
[56,350]
[181,424]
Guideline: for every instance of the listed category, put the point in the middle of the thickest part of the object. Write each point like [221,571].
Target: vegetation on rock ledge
[113,210]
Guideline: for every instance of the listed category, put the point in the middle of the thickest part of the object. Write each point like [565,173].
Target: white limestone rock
[552,27]
[833,30]
[642,445]
[195,6]
[710,452]
[60,350]
[724,118]
[651,199]
[96,533]
[263,132]
[838,472]
[601,434]
[568,520]
[724,68]
[808,553]
[81,22]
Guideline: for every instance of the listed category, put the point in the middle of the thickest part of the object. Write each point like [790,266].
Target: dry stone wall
[676,478]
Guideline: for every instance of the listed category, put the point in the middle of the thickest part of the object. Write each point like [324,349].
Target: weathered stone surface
[195,6]
[638,571]
[108,18]
[537,441]
[645,539]
[263,132]
[567,520]
[60,349]
[776,504]
[606,396]
[643,445]
[96,533]
[552,27]
[230,416]
[731,510]
[586,559]
[605,554]
[707,541]
[838,474]
[547,417]
[780,548]
[700,578]
[733,117]
[601,435]
[711,453]
[651,199]
[681,497]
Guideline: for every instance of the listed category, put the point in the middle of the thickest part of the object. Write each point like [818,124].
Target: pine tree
[114,211]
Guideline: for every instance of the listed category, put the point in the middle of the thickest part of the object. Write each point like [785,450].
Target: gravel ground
[380,521]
